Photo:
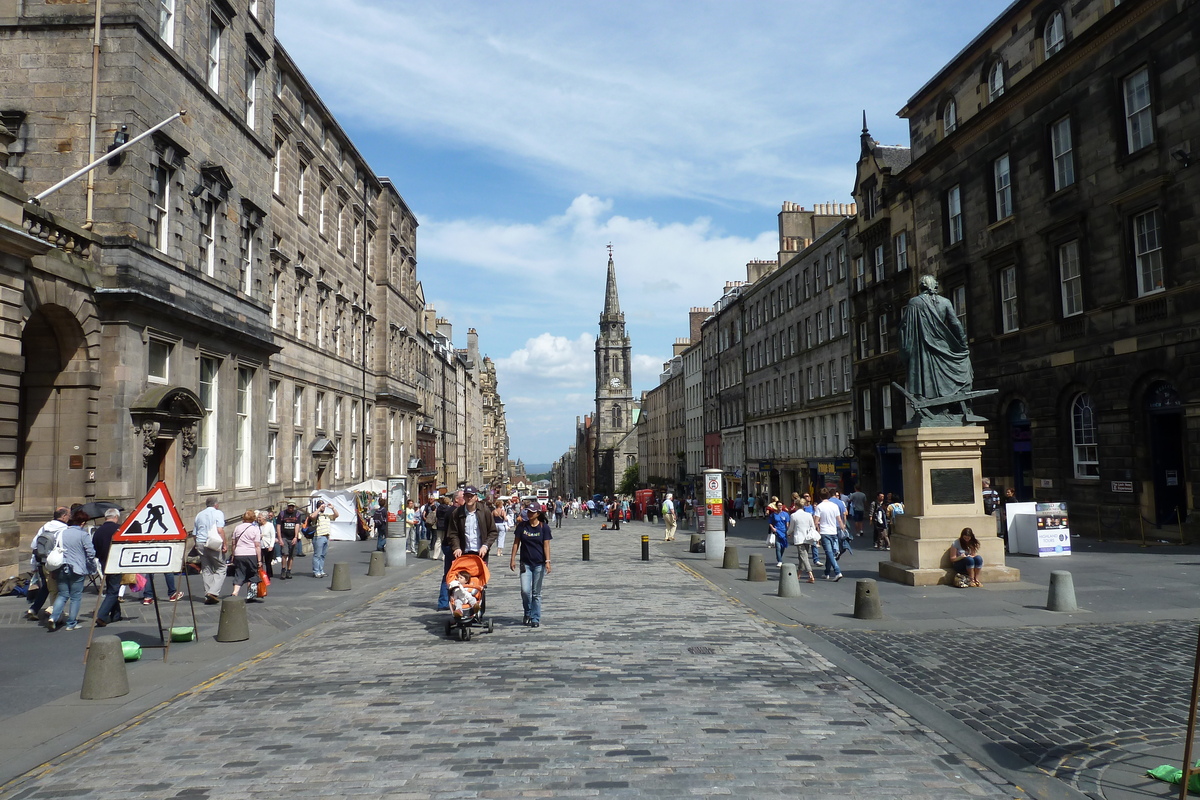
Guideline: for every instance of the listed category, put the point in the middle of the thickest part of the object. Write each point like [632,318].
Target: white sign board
[145,557]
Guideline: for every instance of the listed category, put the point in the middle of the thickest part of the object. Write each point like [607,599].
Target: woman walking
[78,562]
[501,517]
[531,543]
[778,520]
[247,553]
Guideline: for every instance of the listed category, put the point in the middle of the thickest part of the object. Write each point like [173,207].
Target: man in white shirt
[802,532]
[211,522]
[829,516]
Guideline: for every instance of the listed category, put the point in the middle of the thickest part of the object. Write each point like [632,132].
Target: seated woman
[964,554]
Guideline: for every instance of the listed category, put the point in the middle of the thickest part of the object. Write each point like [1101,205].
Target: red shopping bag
[263,582]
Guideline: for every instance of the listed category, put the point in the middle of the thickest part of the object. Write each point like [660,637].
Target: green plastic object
[131,650]
[183,634]
[1174,775]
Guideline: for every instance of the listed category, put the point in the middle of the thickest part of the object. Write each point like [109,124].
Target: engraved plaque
[952,486]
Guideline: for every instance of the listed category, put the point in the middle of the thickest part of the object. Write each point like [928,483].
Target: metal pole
[91,184]
[645,547]
[1191,728]
[587,547]
[37,199]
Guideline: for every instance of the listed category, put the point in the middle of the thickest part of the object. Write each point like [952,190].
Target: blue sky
[526,136]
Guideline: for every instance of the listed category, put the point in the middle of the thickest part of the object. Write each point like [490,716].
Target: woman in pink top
[247,553]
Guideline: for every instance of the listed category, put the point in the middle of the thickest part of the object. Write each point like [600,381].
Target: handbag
[55,558]
[263,582]
[214,543]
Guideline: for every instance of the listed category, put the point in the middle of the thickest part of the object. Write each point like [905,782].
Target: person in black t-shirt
[288,531]
[531,543]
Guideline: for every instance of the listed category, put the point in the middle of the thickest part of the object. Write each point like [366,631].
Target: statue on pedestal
[934,345]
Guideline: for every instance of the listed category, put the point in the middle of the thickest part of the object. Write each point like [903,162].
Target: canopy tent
[374,485]
[344,528]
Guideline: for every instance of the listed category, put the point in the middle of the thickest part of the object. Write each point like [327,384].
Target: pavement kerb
[1008,765]
[107,717]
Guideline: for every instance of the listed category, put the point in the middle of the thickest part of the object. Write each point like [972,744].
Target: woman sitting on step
[964,554]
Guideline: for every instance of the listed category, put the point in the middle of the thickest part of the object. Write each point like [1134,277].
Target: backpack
[55,558]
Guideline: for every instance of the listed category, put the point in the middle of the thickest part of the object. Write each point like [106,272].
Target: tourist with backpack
[72,559]
[43,541]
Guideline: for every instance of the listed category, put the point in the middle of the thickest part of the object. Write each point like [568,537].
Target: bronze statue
[934,346]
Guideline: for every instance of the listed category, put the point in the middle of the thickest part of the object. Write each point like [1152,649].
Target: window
[321,208]
[1085,449]
[883,333]
[300,189]
[254,8]
[833,378]
[274,299]
[1061,151]
[808,339]
[901,247]
[1147,230]
[297,462]
[206,441]
[1054,34]
[1139,121]
[278,85]
[878,263]
[996,81]
[860,278]
[247,248]
[841,262]
[273,401]
[301,305]
[341,213]
[298,407]
[252,71]
[616,417]
[885,406]
[160,208]
[272,452]
[958,296]
[243,458]
[820,327]
[846,373]
[812,387]
[954,223]
[1002,186]
[829,270]
[820,380]
[1008,299]
[844,314]
[216,31]
[817,277]
[158,362]
[1070,280]
[277,166]
[166,21]
[320,410]
[337,414]
[949,117]
[337,459]
[862,341]
[806,286]
[831,321]
[864,409]
[354,458]
[208,236]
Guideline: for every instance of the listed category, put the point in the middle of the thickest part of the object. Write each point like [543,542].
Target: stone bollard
[789,585]
[1062,592]
[233,626]
[423,549]
[866,599]
[694,545]
[394,555]
[731,558]
[756,571]
[341,577]
[104,676]
[376,567]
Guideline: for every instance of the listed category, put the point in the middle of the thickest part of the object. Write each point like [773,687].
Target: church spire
[612,306]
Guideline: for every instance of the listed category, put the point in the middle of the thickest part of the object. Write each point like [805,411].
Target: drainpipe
[91,181]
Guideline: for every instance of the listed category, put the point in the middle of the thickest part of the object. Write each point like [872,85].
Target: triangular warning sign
[154,520]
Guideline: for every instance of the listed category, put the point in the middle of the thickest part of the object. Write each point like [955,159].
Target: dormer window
[996,81]
[1054,34]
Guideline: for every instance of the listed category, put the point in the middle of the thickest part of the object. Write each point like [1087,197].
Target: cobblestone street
[644,681]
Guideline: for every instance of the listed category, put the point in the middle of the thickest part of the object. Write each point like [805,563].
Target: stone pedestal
[943,494]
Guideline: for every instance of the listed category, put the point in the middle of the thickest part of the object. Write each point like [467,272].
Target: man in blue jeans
[828,524]
[447,552]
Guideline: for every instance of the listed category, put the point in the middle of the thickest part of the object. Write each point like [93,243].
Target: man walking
[43,543]
[858,510]
[290,522]
[558,512]
[102,542]
[668,515]
[472,529]
[211,522]
[829,517]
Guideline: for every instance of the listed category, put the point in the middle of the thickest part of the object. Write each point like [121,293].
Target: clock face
[615,383]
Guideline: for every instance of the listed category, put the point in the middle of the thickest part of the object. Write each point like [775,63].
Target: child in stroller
[467,582]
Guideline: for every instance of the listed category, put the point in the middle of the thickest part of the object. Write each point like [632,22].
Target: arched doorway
[1020,437]
[1164,424]
[54,449]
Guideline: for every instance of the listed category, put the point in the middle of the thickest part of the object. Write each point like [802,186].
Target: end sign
[152,539]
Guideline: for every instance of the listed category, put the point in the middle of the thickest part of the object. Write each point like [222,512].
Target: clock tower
[614,390]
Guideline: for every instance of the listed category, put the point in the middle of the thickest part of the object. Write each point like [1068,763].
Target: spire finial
[610,251]
[864,121]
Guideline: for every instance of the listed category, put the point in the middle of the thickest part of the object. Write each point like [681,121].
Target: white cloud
[549,360]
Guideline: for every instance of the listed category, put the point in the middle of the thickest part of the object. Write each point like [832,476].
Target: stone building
[1055,187]
[721,335]
[693,403]
[248,322]
[661,431]
[614,419]
[883,251]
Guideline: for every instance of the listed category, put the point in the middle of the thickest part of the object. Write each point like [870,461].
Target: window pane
[1148,251]
[1085,448]
[1003,187]
[1060,146]
[1139,124]
[1070,279]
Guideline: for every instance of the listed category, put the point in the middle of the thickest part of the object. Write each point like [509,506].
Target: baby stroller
[467,581]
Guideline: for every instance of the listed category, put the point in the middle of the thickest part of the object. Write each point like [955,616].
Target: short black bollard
[587,547]
[645,547]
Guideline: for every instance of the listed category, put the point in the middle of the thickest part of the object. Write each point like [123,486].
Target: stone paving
[643,681]
[1065,699]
